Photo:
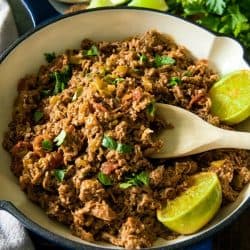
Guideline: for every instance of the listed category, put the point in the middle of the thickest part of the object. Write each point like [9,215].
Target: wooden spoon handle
[233,139]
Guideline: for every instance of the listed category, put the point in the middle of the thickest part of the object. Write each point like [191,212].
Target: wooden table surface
[236,236]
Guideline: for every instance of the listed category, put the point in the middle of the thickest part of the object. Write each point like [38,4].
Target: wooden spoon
[192,135]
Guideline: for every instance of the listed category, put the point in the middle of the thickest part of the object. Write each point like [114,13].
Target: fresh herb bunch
[228,17]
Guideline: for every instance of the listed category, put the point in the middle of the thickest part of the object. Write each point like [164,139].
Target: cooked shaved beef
[107,90]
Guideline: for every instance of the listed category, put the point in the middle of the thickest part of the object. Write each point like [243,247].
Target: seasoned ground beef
[82,132]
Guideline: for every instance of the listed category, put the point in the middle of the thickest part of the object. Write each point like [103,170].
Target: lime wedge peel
[99,3]
[230,97]
[152,4]
[105,3]
[195,207]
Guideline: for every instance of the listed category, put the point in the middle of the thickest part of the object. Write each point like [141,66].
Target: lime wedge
[230,97]
[104,3]
[195,207]
[99,3]
[152,4]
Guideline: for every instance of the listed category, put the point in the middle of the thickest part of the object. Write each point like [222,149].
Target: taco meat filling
[82,132]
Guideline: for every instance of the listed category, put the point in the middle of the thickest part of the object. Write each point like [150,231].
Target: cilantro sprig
[110,143]
[143,58]
[104,179]
[49,57]
[47,145]
[151,109]
[61,79]
[93,51]
[163,60]
[226,17]
[59,174]
[174,80]
[37,116]
[136,180]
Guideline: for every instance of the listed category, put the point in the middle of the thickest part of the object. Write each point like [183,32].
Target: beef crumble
[82,131]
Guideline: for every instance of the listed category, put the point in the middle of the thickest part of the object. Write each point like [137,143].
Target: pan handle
[40,10]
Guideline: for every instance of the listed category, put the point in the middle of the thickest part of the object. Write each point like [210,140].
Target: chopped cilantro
[93,51]
[45,92]
[124,148]
[151,109]
[187,73]
[136,180]
[125,185]
[37,116]
[117,80]
[104,179]
[174,81]
[59,140]
[59,174]
[163,60]
[47,145]
[112,80]
[61,79]
[143,58]
[50,56]
[109,142]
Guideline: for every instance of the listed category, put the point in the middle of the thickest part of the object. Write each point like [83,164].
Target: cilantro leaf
[163,60]
[151,109]
[216,6]
[143,177]
[109,142]
[124,148]
[117,80]
[239,22]
[37,116]
[59,174]
[112,80]
[223,16]
[93,51]
[61,79]
[192,7]
[50,56]
[104,179]
[143,58]
[210,22]
[47,145]
[136,180]
[59,139]
[45,92]
[125,185]
[174,81]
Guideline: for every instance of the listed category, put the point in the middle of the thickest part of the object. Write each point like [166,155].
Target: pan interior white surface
[224,54]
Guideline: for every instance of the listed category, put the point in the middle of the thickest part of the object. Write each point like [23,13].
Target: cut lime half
[230,97]
[195,207]
[105,3]
[151,4]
